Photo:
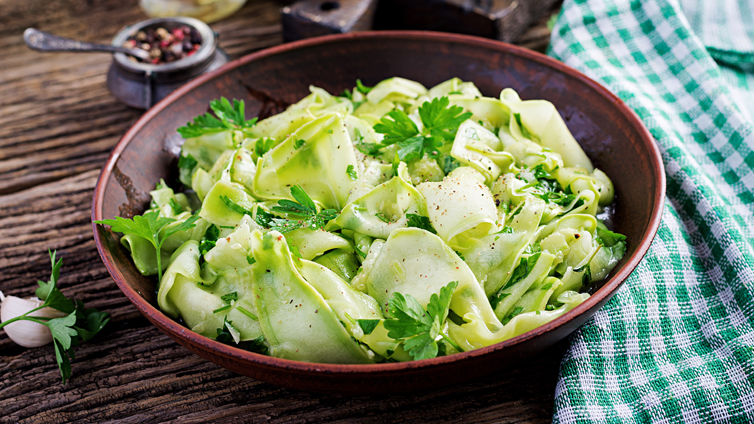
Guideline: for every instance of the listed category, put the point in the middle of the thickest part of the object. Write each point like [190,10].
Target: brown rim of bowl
[179,331]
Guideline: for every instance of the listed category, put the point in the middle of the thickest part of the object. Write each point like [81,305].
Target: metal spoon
[46,42]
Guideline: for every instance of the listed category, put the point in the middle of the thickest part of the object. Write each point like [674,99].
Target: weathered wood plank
[57,126]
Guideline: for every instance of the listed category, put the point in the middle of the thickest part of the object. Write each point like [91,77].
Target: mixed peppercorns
[164,45]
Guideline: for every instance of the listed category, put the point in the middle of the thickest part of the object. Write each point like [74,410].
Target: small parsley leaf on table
[417,328]
[81,324]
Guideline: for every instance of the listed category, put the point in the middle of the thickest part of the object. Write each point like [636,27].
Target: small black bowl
[141,85]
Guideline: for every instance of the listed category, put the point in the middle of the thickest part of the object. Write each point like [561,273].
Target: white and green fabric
[676,343]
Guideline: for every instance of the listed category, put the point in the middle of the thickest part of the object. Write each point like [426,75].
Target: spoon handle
[46,42]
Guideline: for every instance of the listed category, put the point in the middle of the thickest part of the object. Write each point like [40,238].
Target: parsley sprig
[81,324]
[227,117]
[303,208]
[440,121]
[418,328]
[150,227]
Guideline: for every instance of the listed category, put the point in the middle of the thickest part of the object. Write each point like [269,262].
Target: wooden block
[310,18]
[504,20]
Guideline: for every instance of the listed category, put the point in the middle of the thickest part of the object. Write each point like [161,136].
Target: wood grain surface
[57,126]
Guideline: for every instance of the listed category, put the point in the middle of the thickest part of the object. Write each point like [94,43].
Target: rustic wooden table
[58,123]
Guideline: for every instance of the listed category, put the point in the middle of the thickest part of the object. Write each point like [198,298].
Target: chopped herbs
[235,207]
[298,143]
[351,172]
[381,216]
[419,221]
[370,149]
[222,309]
[209,240]
[513,313]
[519,273]
[230,296]
[246,312]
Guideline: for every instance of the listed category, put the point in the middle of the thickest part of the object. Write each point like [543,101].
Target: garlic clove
[27,333]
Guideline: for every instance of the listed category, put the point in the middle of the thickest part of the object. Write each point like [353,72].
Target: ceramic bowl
[269,80]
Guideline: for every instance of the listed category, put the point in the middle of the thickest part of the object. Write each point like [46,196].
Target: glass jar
[206,10]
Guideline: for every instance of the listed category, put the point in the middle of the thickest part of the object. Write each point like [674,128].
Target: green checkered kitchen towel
[676,343]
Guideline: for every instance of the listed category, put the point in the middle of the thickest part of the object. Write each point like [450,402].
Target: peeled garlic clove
[26,333]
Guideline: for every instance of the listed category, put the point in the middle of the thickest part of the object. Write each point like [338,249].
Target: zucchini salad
[382,224]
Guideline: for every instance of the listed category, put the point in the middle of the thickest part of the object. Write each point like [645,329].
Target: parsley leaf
[360,252]
[351,171]
[513,313]
[62,329]
[49,292]
[586,279]
[609,238]
[397,127]
[442,120]
[519,273]
[370,149]
[440,123]
[263,145]
[149,227]
[368,325]
[227,117]
[298,143]
[188,162]
[209,240]
[419,221]
[450,164]
[303,207]
[363,89]
[230,296]
[411,149]
[417,328]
